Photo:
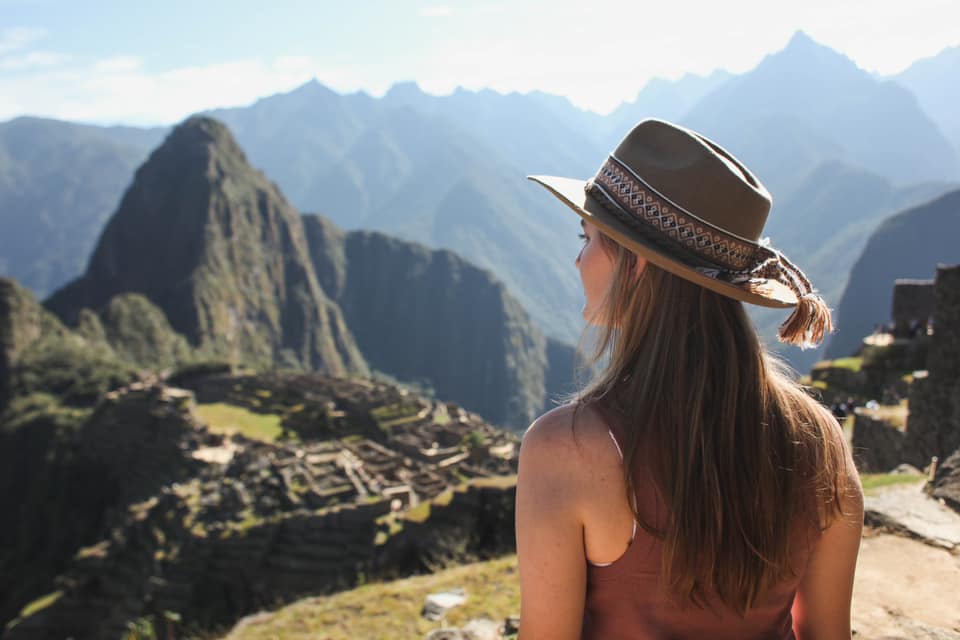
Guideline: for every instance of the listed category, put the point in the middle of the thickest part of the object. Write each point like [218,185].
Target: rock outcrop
[946,483]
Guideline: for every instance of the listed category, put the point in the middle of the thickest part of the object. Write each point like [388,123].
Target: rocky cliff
[429,315]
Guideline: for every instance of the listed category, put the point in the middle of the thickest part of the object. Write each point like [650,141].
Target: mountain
[664,99]
[58,183]
[296,136]
[447,171]
[935,81]
[907,245]
[443,171]
[429,315]
[524,130]
[216,246]
[808,104]
[825,224]
[398,164]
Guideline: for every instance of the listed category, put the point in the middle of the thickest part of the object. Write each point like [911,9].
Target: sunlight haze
[112,62]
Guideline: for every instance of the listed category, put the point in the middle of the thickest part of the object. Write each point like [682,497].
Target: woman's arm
[821,610]
[549,532]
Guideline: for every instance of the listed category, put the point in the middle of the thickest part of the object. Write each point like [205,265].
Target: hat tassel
[811,319]
[808,324]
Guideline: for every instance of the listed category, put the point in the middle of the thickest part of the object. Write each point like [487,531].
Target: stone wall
[946,484]
[945,359]
[912,302]
[877,446]
[933,428]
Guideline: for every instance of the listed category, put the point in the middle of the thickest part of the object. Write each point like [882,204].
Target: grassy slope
[229,419]
[391,611]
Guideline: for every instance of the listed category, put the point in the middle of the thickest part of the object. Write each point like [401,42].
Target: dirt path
[903,585]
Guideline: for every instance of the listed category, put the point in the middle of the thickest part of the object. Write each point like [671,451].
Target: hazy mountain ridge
[828,221]
[421,314]
[906,245]
[669,100]
[874,124]
[419,172]
[58,184]
[216,246]
[934,82]
[447,171]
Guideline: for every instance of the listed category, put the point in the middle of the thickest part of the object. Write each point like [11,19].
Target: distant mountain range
[835,145]
[59,182]
[206,260]
[934,82]
[807,105]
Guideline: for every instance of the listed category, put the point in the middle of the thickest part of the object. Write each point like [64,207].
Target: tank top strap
[613,423]
[615,431]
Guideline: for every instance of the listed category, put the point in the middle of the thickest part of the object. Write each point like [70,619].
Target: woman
[692,489]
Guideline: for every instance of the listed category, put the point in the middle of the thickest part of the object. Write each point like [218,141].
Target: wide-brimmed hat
[687,205]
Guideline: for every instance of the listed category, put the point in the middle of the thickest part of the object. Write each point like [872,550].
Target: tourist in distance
[691,489]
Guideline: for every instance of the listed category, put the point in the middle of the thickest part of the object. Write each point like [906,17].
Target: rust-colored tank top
[625,600]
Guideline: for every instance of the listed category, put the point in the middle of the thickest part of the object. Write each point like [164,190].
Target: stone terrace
[220,525]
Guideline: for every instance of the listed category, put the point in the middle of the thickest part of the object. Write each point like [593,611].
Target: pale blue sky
[152,63]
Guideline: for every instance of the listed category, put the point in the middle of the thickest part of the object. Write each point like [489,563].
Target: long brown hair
[740,454]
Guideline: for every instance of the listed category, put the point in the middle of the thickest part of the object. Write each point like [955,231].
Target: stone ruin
[933,424]
[912,306]
[378,482]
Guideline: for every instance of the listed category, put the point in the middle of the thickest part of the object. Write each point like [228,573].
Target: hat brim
[570,191]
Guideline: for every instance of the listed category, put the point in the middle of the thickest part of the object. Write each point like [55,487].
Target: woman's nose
[576,262]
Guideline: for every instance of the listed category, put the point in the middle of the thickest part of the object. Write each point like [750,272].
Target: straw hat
[687,205]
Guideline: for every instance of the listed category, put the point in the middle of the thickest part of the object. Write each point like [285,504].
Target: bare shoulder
[568,437]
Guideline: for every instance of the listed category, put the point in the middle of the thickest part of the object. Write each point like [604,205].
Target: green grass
[391,611]
[852,364]
[894,415]
[495,482]
[419,513]
[40,603]
[230,419]
[874,482]
[393,414]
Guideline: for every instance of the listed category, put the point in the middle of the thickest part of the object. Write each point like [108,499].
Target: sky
[147,63]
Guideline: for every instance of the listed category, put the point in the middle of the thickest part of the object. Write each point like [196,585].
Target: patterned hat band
[688,238]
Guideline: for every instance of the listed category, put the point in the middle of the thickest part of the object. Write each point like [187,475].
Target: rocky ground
[909,568]
[905,589]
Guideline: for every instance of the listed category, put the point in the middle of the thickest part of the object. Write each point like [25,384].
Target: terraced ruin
[361,479]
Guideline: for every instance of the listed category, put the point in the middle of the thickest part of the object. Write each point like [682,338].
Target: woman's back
[626,598]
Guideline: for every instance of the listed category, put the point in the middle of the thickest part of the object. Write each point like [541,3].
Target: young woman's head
[735,448]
